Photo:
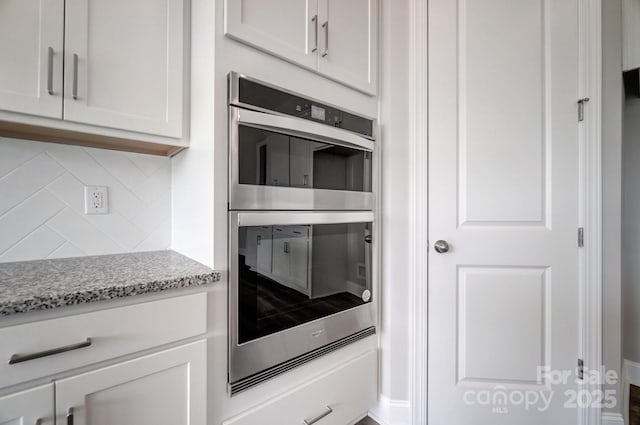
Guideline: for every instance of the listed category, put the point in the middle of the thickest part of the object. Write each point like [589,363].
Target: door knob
[441,247]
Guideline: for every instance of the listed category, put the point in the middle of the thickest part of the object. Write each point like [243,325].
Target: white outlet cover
[96,200]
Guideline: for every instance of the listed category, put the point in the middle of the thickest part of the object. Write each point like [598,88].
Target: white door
[31,43]
[124,64]
[348,45]
[503,192]
[166,388]
[28,407]
[285,28]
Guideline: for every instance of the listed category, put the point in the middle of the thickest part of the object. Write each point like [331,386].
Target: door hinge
[581,103]
[580,369]
[580,237]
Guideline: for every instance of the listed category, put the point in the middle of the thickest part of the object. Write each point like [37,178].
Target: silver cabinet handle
[320,416]
[50,71]
[326,39]
[305,180]
[75,77]
[315,32]
[286,247]
[70,416]
[19,358]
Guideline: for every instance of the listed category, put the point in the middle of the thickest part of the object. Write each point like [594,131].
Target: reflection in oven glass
[289,275]
[273,159]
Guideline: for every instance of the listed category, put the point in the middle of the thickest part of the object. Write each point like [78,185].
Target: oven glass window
[272,159]
[290,275]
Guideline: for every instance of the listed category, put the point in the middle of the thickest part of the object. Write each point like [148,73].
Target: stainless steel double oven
[300,230]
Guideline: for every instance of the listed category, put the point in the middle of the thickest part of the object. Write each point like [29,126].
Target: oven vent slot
[253,380]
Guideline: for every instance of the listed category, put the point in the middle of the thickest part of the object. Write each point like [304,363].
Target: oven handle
[251,218]
[302,128]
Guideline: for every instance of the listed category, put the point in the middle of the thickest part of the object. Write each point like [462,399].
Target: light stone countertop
[48,284]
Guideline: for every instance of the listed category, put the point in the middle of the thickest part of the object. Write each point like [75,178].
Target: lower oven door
[298,282]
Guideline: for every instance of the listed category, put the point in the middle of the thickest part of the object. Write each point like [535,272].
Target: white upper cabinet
[286,28]
[31,48]
[124,64]
[337,38]
[348,42]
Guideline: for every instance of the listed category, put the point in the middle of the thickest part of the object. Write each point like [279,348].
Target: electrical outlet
[96,200]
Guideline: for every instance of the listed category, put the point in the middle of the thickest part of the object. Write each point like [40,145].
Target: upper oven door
[278,162]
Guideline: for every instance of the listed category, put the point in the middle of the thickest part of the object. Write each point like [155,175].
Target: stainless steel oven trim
[234,99]
[254,197]
[252,357]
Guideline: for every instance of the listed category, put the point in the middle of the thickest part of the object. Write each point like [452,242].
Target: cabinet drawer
[114,332]
[342,394]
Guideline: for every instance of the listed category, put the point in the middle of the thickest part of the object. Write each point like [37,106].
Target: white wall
[612,92]
[42,201]
[394,120]
[631,225]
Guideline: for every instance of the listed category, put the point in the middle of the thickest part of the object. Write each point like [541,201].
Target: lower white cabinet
[31,407]
[338,397]
[165,388]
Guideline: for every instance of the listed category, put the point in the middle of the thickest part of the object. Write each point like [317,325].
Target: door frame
[590,198]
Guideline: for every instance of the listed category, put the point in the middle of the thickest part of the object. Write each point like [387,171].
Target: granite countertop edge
[104,294]
[61,283]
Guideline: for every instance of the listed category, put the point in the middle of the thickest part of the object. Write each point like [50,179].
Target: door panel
[166,388]
[283,27]
[137,86]
[31,47]
[503,191]
[27,407]
[348,42]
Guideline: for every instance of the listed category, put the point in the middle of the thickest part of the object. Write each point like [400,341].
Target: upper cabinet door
[31,43]
[124,64]
[348,47]
[285,28]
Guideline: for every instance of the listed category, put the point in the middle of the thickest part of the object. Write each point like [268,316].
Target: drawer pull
[19,358]
[320,416]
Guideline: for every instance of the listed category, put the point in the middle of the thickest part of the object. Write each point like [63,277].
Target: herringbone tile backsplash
[42,201]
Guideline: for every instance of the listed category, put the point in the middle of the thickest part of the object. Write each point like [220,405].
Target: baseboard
[391,412]
[612,419]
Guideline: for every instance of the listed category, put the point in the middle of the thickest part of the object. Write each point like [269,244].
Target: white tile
[154,214]
[77,230]
[69,190]
[37,245]
[118,228]
[67,250]
[26,180]
[148,164]
[157,185]
[160,239]
[88,171]
[26,217]
[119,166]
[14,152]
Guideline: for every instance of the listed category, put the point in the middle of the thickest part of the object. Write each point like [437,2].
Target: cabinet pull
[19,358]
[70,416]
[315,32]
[326,39]
[75,77]
[50,71]
[305,180]
[286,247]
[317,418]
